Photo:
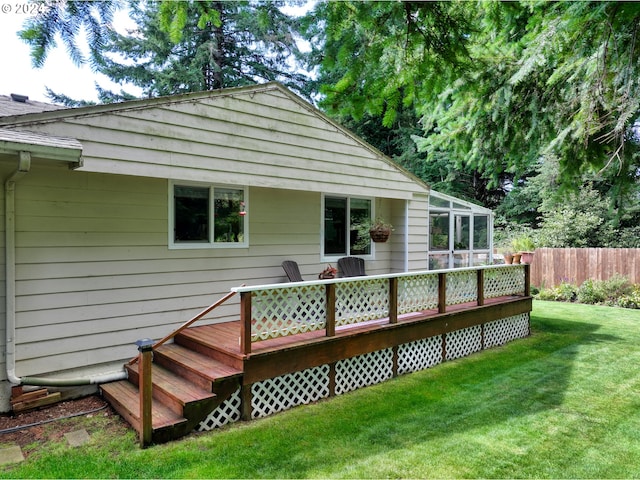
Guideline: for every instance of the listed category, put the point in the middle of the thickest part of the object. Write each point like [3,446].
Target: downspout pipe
[73,382]
[24,166]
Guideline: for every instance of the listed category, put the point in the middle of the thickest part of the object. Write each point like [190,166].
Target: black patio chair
[351,267]
[293,272]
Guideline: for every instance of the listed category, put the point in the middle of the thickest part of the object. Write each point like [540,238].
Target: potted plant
[507,254]
[515,244]
[380,231]
[525,247]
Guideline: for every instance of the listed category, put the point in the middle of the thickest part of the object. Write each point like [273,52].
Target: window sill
[206,246]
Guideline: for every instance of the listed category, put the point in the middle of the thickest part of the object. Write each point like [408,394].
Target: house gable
[262,136]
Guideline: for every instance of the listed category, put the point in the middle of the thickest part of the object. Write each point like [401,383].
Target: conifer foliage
[498,85]
[176,46]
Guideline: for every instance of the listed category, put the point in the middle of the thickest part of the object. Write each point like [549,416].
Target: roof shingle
[9,107]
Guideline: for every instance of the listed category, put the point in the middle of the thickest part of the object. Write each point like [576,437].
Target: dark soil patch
[52,422]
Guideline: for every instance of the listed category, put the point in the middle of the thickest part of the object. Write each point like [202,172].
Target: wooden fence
[552,266]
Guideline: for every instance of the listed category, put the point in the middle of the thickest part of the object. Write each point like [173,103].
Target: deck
[300,342]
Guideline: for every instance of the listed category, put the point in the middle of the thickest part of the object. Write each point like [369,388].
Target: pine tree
[187,46]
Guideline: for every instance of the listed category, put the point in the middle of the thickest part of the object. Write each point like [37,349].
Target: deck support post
[442,292]
[332,379]
[527,280]
[480,287]
[145,347]
[444,346]
[395,360]
[393,300]
[245,322]
[330,320]
[245,402]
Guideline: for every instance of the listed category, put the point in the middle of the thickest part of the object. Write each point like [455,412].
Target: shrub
[565,292]
[591,292]
[630,300]
[617,291]
[616,287]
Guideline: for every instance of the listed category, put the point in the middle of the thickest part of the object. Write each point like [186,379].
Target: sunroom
[460,233]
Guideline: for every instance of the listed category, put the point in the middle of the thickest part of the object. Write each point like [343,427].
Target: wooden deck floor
[283,355]
[226,336]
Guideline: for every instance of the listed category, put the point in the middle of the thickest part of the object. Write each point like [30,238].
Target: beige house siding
[399,236]
[94,271]
[266,138]
[417,233]
[89,268]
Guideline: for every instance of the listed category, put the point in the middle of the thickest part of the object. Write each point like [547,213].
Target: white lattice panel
[419,355]
[462,287]
[503,281]
[417,293]
[463,342]
[227,412]
[361,301]
[287,311]
[364,370]
[505,330]
[290,390]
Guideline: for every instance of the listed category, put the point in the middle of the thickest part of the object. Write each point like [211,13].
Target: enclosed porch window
[460,233]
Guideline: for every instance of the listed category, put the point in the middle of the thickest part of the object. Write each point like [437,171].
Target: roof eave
[71,156]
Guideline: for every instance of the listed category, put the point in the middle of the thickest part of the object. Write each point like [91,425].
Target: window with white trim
[346,222]
[203,216]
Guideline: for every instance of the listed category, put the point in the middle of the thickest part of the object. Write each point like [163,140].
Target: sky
[58,73]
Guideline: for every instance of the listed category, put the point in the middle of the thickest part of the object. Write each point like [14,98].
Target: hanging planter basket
[380,233]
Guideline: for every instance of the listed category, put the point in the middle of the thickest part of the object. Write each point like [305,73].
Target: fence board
[552,266]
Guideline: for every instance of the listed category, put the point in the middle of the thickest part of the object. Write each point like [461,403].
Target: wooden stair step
[194,366]
[171,389]
[216,341]
[125,399]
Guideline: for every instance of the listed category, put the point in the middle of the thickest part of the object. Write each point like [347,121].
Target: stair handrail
[189,322]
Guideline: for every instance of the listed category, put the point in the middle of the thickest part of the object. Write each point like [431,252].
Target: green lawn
[564,403]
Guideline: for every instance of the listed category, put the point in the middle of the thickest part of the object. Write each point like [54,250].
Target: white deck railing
[278,310]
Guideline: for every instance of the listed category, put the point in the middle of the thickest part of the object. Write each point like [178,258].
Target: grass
[563,403]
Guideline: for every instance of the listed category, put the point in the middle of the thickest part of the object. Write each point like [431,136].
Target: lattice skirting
[290,390]
[364,370]
[505,330]
[286,391]
[419,355]
[228,411]
[463,342]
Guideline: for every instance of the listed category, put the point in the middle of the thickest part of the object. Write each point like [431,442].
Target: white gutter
[24,166]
